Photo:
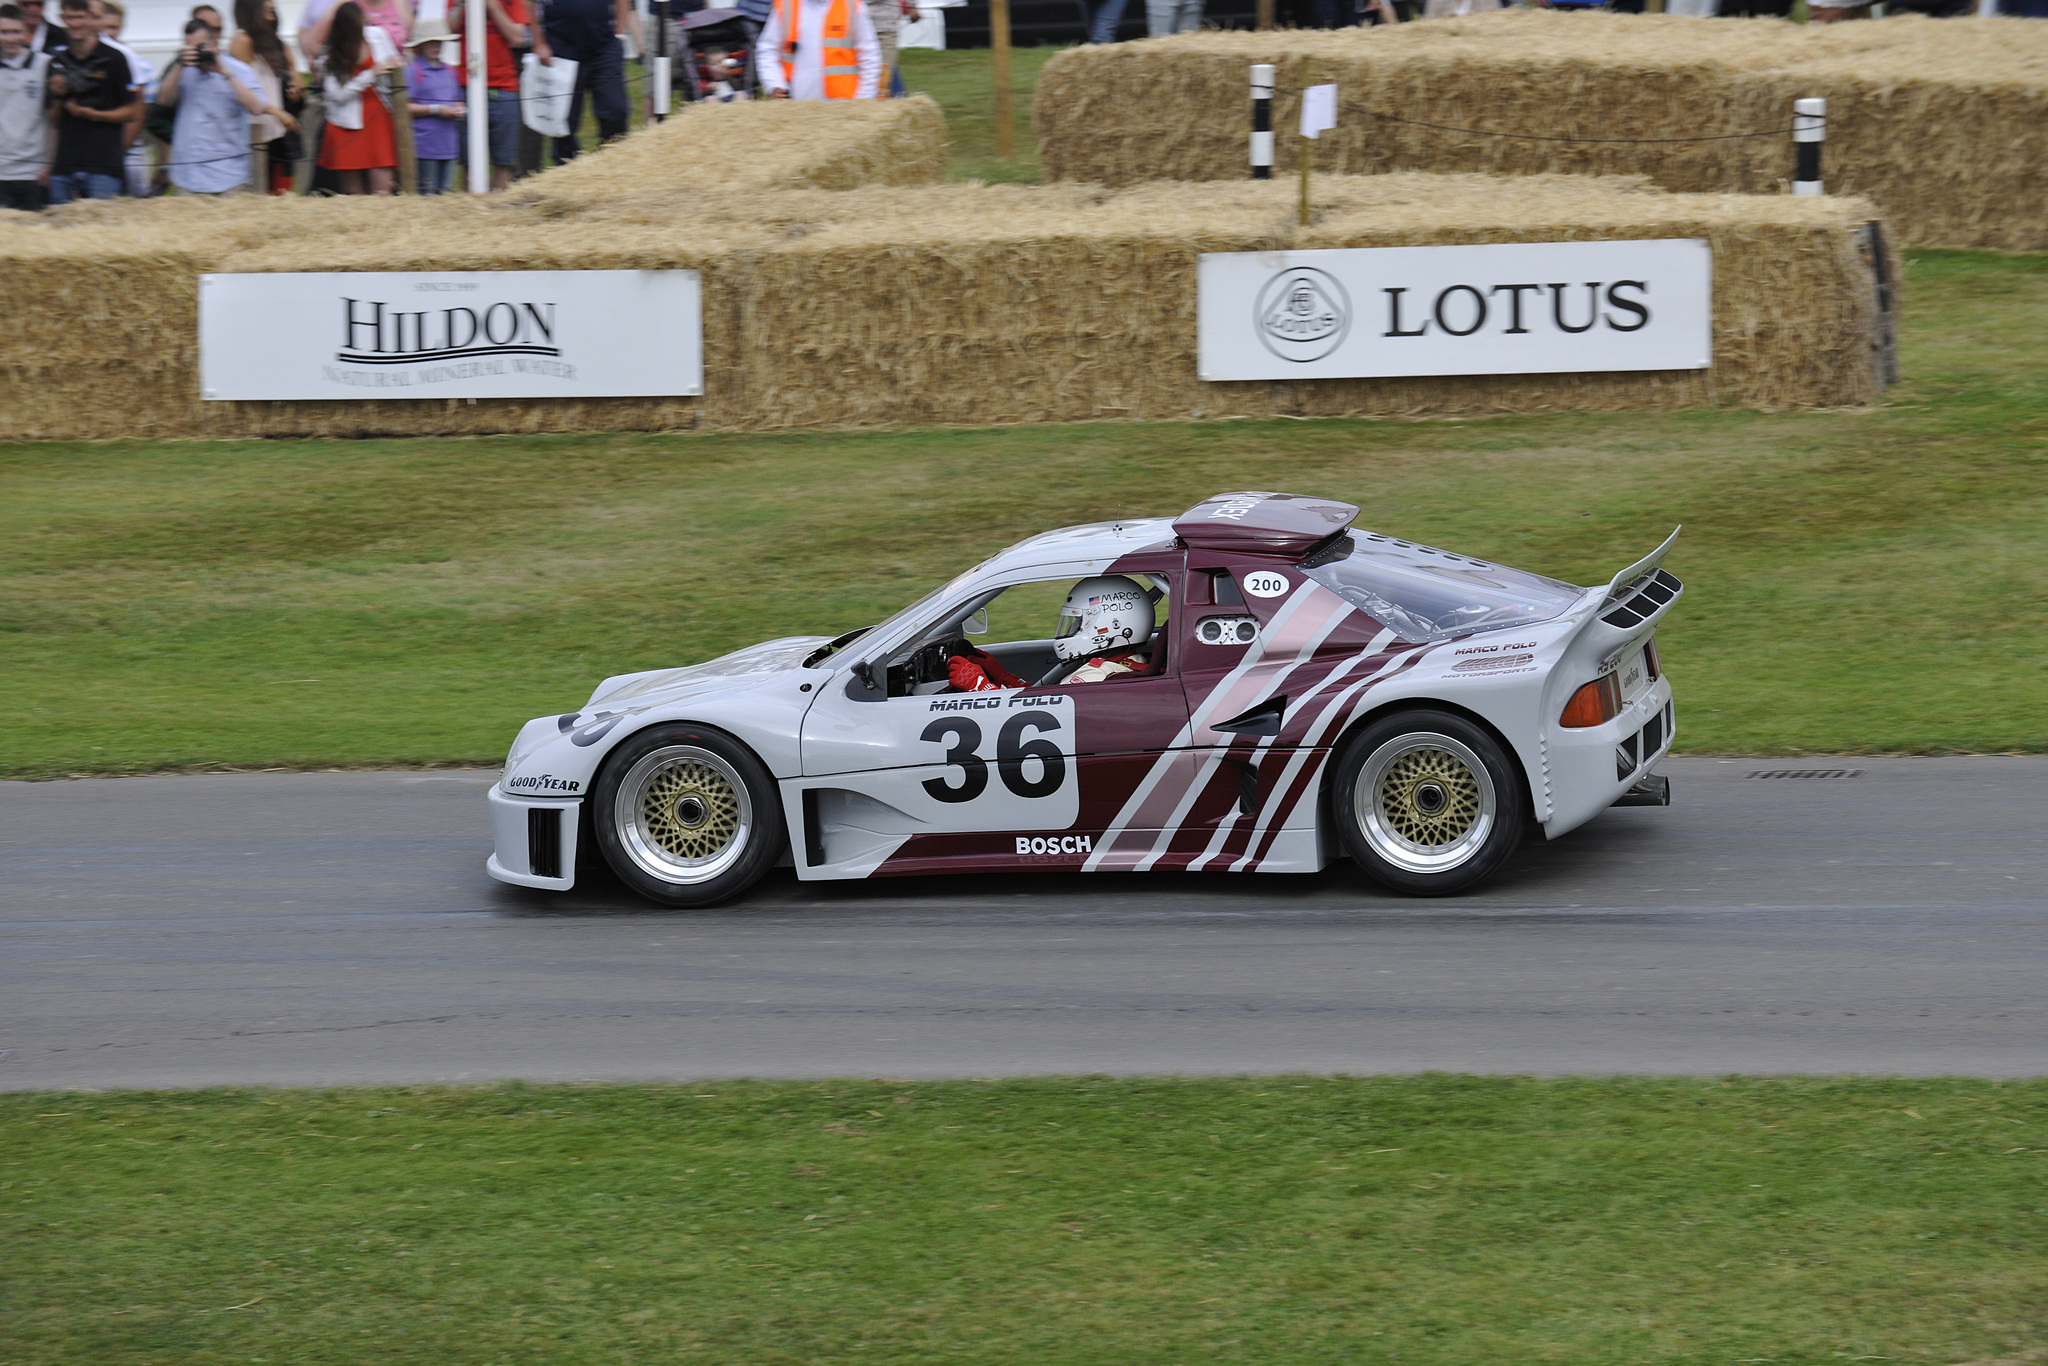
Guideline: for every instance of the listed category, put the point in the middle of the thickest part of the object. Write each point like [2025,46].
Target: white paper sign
[1519,308]
[451,334]
[1318,110]
[545,93]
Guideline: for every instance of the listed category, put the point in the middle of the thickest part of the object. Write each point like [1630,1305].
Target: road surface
[339,928]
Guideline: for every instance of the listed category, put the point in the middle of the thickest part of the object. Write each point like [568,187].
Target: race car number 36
[1029,764]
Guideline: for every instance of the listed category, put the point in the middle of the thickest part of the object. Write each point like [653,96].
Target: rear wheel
[1427,802]
[686,815]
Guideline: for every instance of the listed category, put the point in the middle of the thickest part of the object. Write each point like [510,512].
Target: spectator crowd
[373,92]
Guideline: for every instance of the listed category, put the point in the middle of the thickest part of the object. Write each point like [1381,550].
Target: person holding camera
[214,95]
[96,98]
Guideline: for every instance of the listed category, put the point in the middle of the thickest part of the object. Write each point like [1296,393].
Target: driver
[1106,623]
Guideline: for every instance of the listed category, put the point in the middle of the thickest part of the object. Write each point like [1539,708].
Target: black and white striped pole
[1262,121]
[662,73]
[1809,130]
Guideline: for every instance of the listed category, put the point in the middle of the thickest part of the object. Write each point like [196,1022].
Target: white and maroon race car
[1311,690]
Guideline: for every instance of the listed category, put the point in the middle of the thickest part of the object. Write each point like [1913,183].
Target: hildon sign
[1493,309]
[482,334]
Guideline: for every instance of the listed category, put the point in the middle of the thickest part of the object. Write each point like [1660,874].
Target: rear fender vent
[544,841]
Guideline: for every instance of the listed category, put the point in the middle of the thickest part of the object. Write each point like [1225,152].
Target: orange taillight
[1655,665]
[1593,705]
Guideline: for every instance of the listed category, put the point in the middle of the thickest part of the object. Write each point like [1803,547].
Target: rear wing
[1643,590]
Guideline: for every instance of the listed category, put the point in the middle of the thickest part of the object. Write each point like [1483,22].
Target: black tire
[1445,802]
[686,815]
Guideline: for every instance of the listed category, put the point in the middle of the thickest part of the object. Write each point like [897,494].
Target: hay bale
[924,305]
[763,144]
[136,263]
[1017,305]
[1943,125]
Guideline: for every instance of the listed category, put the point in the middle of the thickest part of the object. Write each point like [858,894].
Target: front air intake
[544,841]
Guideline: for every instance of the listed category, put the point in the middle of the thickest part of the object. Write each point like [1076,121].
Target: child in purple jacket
[435,97]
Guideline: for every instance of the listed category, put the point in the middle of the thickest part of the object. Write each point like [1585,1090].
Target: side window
[1024,611]
[1016,627]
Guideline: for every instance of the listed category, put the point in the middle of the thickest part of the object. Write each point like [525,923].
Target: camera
[204,56]
[79,78]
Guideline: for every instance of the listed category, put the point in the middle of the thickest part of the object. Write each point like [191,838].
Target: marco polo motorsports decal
[440,335]
[1495,309]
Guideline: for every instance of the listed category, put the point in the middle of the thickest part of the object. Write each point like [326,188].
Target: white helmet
[1101,616]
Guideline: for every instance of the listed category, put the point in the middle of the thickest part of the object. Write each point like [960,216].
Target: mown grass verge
[1431,1219]
[1858,581]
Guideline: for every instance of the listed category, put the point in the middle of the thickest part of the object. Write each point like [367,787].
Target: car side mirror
[976,625]
[862,687]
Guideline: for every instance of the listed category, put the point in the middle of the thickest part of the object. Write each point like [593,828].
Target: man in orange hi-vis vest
[819,50]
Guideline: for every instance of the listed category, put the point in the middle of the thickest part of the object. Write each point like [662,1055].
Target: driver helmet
[1106,615]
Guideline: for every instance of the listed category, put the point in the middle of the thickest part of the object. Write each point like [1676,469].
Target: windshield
[1422,594]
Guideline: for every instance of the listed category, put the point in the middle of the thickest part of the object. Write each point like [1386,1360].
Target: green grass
[1858,581]
[961,82]
[1277,1220]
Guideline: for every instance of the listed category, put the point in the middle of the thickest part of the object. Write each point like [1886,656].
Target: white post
[1809,130]
[479,99]
[661,60]
[1262,121]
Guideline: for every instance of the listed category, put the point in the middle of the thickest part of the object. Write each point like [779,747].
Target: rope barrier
[1543,137]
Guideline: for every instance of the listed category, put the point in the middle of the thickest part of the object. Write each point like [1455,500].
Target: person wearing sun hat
[434,99]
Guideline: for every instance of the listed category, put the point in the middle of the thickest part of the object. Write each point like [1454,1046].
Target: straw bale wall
[110,288]
[1943,124]
[947,304]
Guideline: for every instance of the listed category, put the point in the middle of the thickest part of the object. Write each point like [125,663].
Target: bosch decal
[1055,844]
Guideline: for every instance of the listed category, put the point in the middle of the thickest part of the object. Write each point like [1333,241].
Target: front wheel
[686,815]
[1427,802]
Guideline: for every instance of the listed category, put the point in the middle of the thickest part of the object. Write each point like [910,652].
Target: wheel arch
[618,740]
[1326,817]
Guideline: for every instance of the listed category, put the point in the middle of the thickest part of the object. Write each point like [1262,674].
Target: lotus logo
[1303,314]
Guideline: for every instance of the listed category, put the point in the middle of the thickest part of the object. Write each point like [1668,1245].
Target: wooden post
[999,52]
[1265,15]
[1307,145]
[401,133]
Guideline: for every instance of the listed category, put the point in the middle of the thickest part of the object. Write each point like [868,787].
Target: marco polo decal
[1509,308]
[488,334]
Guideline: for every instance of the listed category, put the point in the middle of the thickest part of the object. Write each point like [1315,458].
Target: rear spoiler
[1643,590]
[1634,601]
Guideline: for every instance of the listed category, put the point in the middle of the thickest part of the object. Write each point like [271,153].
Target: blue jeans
[503,109]
[601,74]
[433,175]
[66,186]
[1108,14]
[1166,17]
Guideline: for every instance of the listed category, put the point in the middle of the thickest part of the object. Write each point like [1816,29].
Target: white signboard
[452,334]
[1518,308]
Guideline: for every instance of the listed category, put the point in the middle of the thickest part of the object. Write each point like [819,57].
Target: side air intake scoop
[1262,523]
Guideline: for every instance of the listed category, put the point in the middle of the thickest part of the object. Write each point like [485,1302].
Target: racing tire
[686,815]
[1427,803]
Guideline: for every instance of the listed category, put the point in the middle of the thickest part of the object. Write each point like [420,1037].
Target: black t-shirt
[84,145]
[579,27]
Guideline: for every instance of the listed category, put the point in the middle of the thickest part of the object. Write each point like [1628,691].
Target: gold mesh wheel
[1425,802]
[683,814]
[1429,797]
[689,809]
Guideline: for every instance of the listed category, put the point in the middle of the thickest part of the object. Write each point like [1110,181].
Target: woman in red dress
[358,146]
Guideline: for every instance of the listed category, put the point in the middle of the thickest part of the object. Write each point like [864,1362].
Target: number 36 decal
[1012,749]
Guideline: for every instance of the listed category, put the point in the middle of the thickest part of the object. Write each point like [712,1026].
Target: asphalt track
[339,928]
